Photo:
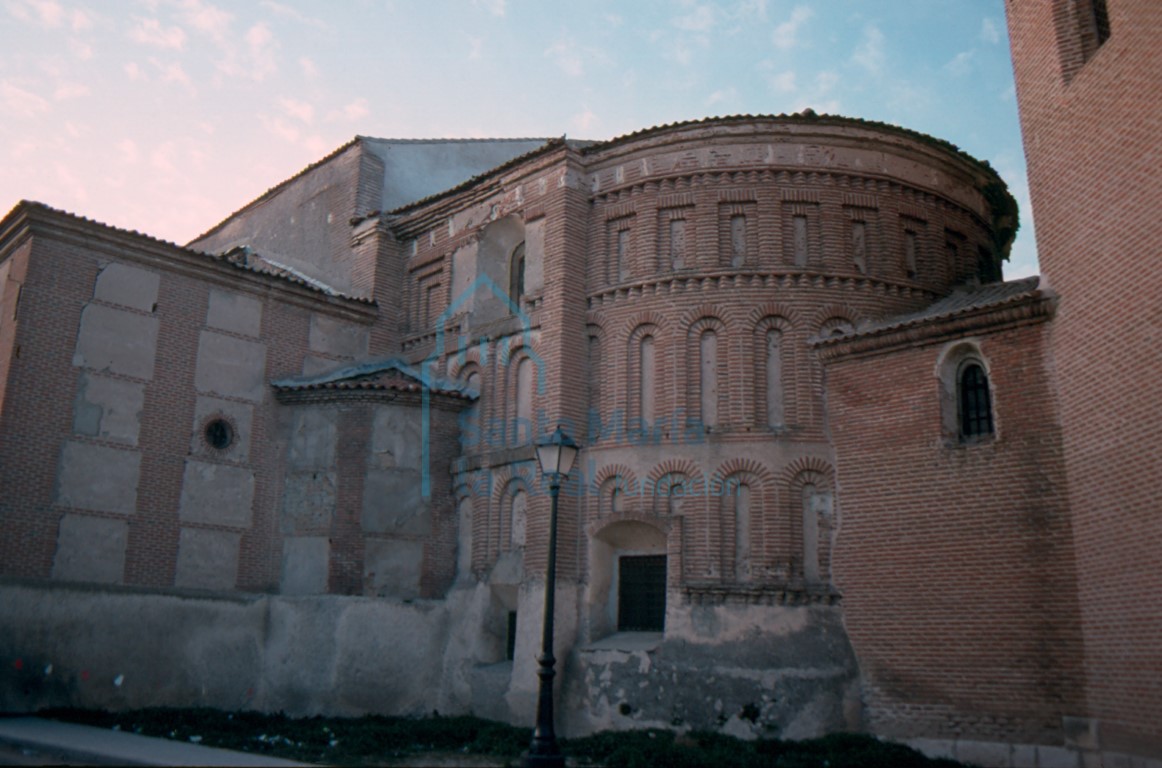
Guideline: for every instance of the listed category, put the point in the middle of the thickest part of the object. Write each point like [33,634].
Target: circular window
[219,434]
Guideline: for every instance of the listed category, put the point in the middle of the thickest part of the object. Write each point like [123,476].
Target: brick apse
[832,462]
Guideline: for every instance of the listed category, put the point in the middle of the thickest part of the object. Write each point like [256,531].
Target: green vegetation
[377,740]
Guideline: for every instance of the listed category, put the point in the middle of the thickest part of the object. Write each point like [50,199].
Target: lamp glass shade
[556,453]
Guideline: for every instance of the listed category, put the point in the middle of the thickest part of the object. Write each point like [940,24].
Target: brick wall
[955,559]
[44,385]
[1090,118]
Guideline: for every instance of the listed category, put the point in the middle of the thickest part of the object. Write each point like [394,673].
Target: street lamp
[555,454]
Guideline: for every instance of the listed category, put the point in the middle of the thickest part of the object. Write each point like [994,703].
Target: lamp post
[555,454]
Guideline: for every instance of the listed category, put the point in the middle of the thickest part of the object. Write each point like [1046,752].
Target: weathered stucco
[123,649]
[234,312]
[109,409]
[751,671]
[90,549]
[230,367]
[117,341]
[98,478]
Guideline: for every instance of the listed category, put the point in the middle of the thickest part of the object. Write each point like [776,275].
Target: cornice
[1035,308]
[789,278]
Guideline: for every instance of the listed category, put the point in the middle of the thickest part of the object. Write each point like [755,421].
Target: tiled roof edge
[34,206]
[807,116]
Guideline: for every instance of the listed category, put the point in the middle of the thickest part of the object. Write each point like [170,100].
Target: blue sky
[165,115]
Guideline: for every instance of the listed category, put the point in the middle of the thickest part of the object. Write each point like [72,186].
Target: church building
[836,472]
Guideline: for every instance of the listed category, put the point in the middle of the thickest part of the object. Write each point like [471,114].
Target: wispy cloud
[475,47]
[571,57]
[300,110]
[207,19]
[47,13]
[19,102]
[786,35]
[80,49]
[309,68]
[356,110]
[127,151]
[153,33]
[752,9]
[723,96]
[65,91]
[294,14]
[869,54]
[172,72]
[495,7]
[783,82]
[989,31]
[584,120]
[960,64]
[700,19]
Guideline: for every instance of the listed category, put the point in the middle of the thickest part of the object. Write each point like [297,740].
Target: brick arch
[756,404]
[595,320]
[508,365]
[806,464]
[602,484]
[458,363]
[742,464]
[702,312]
[503,491]
[762,518]
[833,311]
[772,309]
[703,321]
[645,318]
[797,476]
[631,387]
[659,500]
[515,343]
[673,466]
[614,470]
[597,368]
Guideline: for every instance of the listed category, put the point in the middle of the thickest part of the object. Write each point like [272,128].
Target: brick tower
[1090,94]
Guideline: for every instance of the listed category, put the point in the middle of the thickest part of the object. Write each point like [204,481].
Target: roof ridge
[467,140]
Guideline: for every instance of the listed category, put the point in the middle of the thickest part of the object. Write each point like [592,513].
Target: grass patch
[374,740]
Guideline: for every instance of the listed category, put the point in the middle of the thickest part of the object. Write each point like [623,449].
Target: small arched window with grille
[973,401]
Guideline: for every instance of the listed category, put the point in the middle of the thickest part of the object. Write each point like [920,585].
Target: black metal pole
[543,751]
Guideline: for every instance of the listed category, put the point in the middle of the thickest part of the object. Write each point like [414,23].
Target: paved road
[11,755]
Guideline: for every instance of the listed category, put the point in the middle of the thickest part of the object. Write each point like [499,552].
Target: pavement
[35,741]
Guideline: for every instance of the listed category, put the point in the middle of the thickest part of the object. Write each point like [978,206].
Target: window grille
[976,414]
[641,591]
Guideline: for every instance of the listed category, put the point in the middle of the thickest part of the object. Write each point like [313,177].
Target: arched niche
[498,242]
[615,547]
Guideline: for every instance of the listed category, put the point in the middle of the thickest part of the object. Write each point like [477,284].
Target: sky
[166,115]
